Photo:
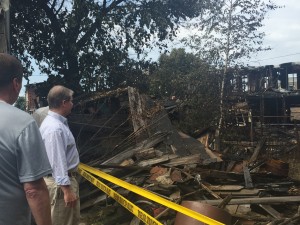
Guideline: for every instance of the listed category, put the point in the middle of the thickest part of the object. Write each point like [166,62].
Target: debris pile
[247,187]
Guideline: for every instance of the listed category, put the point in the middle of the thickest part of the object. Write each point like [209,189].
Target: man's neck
[58,111]
[5,99]
[8,95]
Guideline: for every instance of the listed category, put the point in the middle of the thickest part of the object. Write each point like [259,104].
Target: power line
[276,57]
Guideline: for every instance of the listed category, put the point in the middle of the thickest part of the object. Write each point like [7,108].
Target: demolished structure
[254,179]
[128,135]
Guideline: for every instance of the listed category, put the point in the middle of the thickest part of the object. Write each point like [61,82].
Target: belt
[70,174]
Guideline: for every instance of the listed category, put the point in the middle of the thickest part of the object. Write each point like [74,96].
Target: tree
[231,33]
[4,26]
[193,82]
[20,103]
[90,42]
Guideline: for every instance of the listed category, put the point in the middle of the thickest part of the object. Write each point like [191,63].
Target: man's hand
[69,196]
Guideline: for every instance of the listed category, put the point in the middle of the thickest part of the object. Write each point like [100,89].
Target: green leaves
[233,28]
[193,82]
[83,40]
[230,33]
[20,103]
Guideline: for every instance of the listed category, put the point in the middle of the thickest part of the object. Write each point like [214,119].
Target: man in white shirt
[63,156]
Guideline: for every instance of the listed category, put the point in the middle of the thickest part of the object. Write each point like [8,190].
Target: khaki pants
[60,214]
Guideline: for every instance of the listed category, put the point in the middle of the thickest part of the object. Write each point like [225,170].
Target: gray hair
[57,95]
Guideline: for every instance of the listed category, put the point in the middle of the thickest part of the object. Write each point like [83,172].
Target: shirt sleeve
[56,146]
[32,160]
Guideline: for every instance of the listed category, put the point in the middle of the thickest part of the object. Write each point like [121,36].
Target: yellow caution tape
[150,195]
[142,215]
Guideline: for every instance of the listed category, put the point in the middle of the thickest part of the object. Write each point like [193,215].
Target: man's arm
[38,199]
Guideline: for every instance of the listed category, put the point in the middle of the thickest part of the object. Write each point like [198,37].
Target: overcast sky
[282,28]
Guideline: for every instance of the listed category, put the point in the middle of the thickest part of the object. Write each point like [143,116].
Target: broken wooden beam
[185,160]
[154,161]
[269,209]
[257,150]
[247,175]
[225,201]
[264,200]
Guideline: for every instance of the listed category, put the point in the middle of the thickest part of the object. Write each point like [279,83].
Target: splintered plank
[269,209]
[247,176]
[263,200]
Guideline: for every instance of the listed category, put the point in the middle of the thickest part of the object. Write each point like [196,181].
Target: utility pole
[4,27]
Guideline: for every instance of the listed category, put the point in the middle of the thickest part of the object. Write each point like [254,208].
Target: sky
[282,29]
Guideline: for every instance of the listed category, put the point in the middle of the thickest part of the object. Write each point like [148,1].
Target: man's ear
[17,85]
[63,102]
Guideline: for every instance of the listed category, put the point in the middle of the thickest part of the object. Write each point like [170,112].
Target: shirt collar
[57,116]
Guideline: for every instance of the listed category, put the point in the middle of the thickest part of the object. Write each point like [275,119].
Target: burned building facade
[271,92]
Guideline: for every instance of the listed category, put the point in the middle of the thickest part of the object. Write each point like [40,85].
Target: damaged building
[250,181]
[272,92]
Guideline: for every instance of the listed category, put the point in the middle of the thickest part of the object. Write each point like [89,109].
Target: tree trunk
[72,76]
[4,31]
[226,64]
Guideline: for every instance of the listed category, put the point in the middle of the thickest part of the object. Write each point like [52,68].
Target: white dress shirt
[60,146]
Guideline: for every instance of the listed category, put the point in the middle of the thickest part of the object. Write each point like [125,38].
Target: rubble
[135,141]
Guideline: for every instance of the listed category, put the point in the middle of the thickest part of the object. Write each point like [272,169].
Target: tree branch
[59,8]
[53,5]
[98,20]
[55,25]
